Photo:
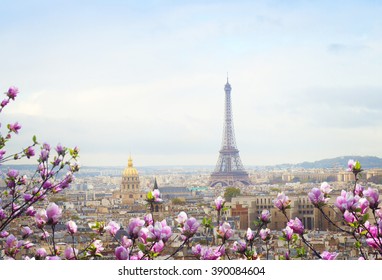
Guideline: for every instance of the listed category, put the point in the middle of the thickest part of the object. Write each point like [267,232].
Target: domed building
[130,191]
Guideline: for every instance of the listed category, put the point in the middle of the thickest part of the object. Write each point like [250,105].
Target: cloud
[336,48]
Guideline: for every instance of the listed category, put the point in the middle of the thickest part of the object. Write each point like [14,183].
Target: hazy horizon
[146,79]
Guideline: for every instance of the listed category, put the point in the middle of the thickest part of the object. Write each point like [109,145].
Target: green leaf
[206,222]
[257,222]
[225,208]
[282,238]
[141,247]
[354,225]
[34,139]
[294,237]
[357,165]
[365,218]
[150,195]
[358,244]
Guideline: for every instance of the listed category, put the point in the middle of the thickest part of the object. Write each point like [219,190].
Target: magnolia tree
[22,193]
[147,239]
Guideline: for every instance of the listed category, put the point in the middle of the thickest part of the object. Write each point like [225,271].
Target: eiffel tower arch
[229,169]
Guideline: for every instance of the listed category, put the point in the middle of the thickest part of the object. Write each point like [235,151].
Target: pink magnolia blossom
[112,228]
[135,225]
[182,217]
[12,174]
[44,155]
[328,256]
[41,218]
[378,213]
[3,215]
[12,92]
[44,235]
[375,243]
[372,196]
[27,245]
[363,204]
[346,201]
[12,246]
[2,153]
[27,197]
[54,213]
[282,202]
[265,234]
[14,127]
[359,190]
[351,165]
[30,211]
[29,152]
[126,242]
[372,230]
[265,216]
[166,231]
[40,254]
[239,246]
[145,235]
[26,232]
[4,234]
[250,235]
[4,103]
[325,188]
[47,185]
[225,231]
[197,249]
[296,225]
[158,247]
[60,150]
[208,253]
[138,256]
[317,198]
[349,217]
[148,218]
[288,233]
[121,253]
[219,203]
[70,253]
[189,228]
[71,227]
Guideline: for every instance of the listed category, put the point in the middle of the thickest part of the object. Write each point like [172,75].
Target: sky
[146,78]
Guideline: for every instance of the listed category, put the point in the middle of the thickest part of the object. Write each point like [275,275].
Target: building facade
[130,192]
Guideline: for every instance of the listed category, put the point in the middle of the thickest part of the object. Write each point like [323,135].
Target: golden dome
[130,170]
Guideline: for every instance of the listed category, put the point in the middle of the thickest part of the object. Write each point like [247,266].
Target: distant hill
[367,162]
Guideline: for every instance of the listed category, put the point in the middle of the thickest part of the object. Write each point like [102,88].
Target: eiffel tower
[229,168]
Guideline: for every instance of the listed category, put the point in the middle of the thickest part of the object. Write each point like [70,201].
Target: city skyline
[147,80]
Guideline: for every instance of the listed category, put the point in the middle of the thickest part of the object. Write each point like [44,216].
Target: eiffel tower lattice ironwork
[229,168]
